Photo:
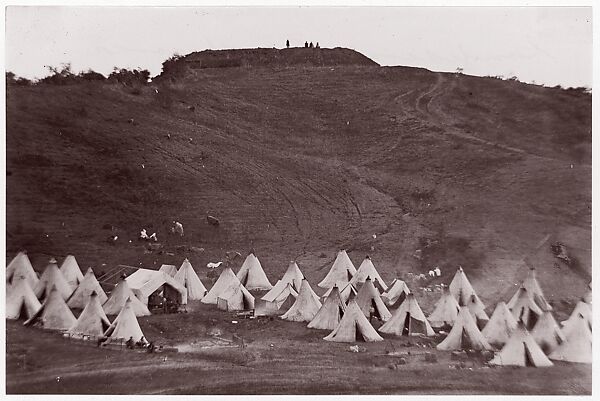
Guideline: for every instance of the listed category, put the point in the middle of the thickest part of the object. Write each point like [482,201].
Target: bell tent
[521,350]
[533,288]
[347,291]
[81,296]
[21,302]
[341,272]
[367,270]
[525,309]
[276,302]
[370,302]
[582,308]
[54,314]
[501,325]
[292,276]
[119,295]
[445,311]
[235,298]
[252,276]
[93,320]
[186,275]
[478,311]
[460,287]
[353,327]
[52,277]
[225,280]
[464,334]
[71,271]
[408,320]
[306,306]
[547,333]
[577,346]
[125,324]
[396,293]
[20,268]
[332,310]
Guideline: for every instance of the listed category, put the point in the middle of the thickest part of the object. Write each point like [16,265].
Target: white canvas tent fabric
[81,296]
[408,320]
[353,327]
[460,287]
[274,303]
[547,333]
[341,272]
[147,281]
[252,276]
[171,270]
[235,298]
[21,302]
[54,314]
[367,270]
[306,306]
[478,311]
[225,280]
[396,293]
[332,310]
[125,324]
[577,346]
[464,334]
[347,291]
[525,309]
[501,325]
[582,308]
[20,268]
[292,276]
[445,310]
[370,302]
[52,277]
[119,295]
[187,276]
[521,350]
[71,271]
[533,288]
[93,320]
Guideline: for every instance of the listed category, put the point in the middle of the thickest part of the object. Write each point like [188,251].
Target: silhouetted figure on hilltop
[305,44]
[287,44]
[317,46]
[311,45]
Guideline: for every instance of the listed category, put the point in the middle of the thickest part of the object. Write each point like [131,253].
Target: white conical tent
[521,350]
[93,320]
[119,295]
[252,276]
[235,298]
[274,303]
[577,346]
[21,302]
[292,276]
[368,298]
[533,288]
[225,280]
[190,280]
[477,309]
[367,270]
[461,289]
[525,309]
[306,306]
[332,310]
[547,333]
[464,334]
[52,277]
[54,314]
[396,293]
[353,327]
[71,271]
[582,308]
[341,272]
[445,311]
[171,270]
[501,325]
[408,320]
[20,268]
[347,291]
[81,296]
[125,324]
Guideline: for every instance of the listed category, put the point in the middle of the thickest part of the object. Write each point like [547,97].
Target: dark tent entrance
[165,299]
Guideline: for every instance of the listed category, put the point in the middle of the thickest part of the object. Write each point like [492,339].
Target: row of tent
[358,295]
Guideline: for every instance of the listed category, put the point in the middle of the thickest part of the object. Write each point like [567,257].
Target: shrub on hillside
[127,77]
[12,79]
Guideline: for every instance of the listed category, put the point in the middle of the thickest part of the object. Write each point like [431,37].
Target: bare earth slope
[300,152]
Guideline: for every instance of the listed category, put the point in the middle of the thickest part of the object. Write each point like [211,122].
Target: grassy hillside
[301,157]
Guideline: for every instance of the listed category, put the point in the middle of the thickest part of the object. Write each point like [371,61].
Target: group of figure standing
[306,44]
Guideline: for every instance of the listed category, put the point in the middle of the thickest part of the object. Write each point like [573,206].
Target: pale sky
[549,45]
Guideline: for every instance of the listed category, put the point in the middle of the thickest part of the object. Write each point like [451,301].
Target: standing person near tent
[287,43]
[130,343]
[305,44]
